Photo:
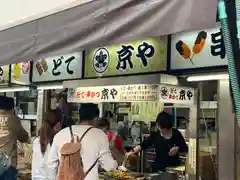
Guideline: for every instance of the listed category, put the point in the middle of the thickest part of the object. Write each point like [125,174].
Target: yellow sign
[142,56]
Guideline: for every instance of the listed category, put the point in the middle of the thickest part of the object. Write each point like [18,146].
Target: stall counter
[118,175]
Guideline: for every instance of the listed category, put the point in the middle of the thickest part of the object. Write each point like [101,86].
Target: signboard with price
[141,92]
[123,93]
[176,94]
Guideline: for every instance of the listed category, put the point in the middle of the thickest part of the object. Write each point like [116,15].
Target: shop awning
[103,22]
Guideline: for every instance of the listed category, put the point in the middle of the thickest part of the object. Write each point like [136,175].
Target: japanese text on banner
[175,94]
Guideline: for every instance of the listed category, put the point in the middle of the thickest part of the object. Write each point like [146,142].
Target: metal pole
[42,105]
[226,134]
[192,166]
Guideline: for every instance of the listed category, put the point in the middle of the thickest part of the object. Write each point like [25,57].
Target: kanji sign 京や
[141,56]
[176,94]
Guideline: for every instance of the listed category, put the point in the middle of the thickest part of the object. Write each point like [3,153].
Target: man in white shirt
[95,145]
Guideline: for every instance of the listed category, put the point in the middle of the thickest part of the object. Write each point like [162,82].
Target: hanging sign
[121,93]
[142,56]
[94,94]
[4,74]
[176,94]
[68,66]
[20,73]
[142,92]
[198,49]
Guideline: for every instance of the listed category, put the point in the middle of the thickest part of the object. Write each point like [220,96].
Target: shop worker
[94,149]
[11,130]
[167,141]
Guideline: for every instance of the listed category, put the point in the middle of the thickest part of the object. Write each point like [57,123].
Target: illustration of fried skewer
[199,43]
[184,50]
[41,66]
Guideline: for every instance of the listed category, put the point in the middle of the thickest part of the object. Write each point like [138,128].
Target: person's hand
[173,151]
[129,154]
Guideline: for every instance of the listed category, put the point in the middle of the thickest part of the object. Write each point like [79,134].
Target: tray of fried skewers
[121,175]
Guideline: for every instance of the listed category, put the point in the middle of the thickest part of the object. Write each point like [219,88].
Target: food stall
[150,92]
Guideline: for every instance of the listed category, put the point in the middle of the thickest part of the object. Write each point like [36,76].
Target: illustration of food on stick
[184,50]
[197,48]
[41,66]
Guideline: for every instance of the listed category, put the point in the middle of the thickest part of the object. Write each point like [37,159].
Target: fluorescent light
[208,77]
[50,87]
[14,89]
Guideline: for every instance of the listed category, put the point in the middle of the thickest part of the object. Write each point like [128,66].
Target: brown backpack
[71,165]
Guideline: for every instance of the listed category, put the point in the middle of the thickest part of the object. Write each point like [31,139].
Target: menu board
[141,92]
[146,111]
[123,93]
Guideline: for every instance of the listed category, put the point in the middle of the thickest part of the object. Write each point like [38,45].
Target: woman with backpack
[115,141]
[42,145]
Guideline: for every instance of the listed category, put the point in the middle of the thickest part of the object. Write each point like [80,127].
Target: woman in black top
[167,141]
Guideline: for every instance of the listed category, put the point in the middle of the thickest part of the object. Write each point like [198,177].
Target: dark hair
[6,103]
[10,103]
[88,111]
[103,123]
[46,132]
[164,120]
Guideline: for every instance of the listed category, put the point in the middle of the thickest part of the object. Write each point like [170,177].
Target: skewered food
[199,42]
[120,174]
[183,49]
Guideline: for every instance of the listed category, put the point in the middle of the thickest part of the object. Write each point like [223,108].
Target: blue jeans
[10,174]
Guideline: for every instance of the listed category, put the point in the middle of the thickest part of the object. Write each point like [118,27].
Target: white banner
[176,94]
[123,93]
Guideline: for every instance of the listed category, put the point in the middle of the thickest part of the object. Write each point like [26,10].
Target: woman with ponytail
[42,145]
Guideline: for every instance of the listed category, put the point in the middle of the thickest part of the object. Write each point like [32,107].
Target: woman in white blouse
[42,145]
